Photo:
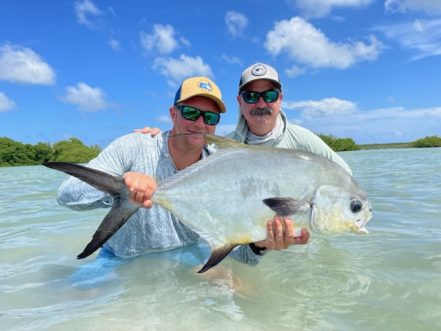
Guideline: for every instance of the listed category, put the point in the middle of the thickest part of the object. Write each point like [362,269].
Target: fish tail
[121,209]
[217,255]
[100,180]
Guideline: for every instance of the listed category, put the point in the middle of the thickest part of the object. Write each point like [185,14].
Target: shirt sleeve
[299,137]
[245,254]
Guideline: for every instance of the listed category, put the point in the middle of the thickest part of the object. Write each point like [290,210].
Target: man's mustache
[261,111]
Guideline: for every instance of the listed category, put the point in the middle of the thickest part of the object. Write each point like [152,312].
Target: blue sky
[95,69]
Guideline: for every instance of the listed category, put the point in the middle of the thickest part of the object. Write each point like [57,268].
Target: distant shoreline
[14,153]
[385,146]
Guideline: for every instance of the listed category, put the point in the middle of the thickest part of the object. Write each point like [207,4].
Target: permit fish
[228,197]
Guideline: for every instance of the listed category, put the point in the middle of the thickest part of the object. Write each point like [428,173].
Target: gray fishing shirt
[290,136]
[148,230]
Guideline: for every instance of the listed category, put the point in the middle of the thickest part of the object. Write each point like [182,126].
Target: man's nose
[261,103]
[200,120]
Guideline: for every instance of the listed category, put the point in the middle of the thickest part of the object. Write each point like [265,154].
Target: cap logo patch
[205,86]
[258,70]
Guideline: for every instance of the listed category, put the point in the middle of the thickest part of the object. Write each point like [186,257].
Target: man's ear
[239,99]
[173,114]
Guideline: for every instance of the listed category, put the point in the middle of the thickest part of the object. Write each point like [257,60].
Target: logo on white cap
[258,70]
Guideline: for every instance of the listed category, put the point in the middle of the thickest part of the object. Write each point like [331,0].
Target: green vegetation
[14,153]
[430,141]
[347,144]
[73,150]
[339,144]
[385,146]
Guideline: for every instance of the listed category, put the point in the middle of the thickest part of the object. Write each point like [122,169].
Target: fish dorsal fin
[217,255]
[286,206]
[224,145]
[222,142]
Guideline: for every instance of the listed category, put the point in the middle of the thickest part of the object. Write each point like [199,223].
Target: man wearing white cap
[262,121]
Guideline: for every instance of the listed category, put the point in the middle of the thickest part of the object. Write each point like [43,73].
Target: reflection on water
[387,280]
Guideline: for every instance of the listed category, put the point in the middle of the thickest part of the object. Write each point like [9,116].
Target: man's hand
[281,234]
[148,130]
[141,187]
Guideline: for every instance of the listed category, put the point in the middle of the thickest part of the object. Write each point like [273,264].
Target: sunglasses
[192,114]
[253,96]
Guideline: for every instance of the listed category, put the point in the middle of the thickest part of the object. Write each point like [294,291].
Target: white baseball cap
[259,71]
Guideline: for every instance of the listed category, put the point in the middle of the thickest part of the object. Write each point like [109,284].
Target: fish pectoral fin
[217,255]
[121,211]
[286,206]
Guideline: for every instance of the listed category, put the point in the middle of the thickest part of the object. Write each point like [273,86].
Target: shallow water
[387,280]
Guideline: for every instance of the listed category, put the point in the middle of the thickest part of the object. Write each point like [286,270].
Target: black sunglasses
[192,114]
[253,96]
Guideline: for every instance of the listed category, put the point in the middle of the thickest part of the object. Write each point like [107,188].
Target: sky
[369,70]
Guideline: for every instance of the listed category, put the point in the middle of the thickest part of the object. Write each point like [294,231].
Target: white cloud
[86,97]
[177,69]
[422,35]
[375,126]
[306,44]
[295,71]
[84,10]
[320,108]
[163,40]
[430,7]
[232,59]
[115,44]
[23,65]
[164,119]
[235,22]
[321,8]
[5,103]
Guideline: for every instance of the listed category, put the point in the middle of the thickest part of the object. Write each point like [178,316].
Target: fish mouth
[360,227]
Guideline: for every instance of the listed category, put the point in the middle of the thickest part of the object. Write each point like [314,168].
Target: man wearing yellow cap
[262,122]
[197,108]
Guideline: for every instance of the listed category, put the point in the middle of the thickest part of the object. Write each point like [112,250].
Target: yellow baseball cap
[200,86]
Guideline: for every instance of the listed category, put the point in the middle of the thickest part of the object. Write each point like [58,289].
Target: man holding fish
[262,122]
[142,161]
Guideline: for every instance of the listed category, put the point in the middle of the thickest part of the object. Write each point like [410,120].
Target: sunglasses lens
[270,95]
[211,118]
[190,113]
[251,96]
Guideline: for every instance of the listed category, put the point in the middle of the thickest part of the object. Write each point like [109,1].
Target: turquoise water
[387,280]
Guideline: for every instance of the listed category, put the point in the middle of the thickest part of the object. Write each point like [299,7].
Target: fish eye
[356,205]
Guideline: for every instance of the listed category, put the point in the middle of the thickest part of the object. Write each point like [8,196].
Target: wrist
[257,249]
